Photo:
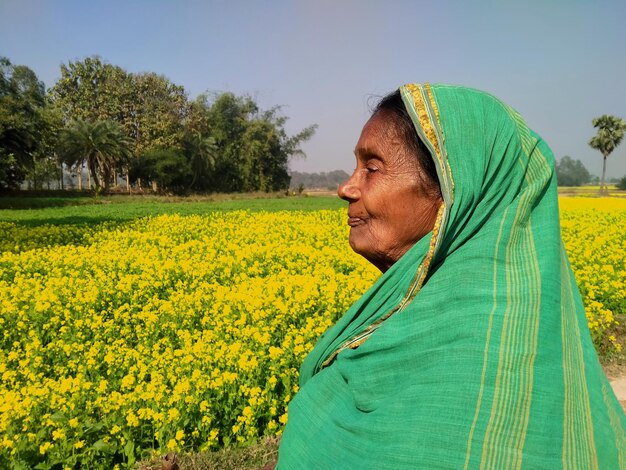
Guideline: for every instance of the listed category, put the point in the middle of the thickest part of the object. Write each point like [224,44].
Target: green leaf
[129,451]
[58,417]
[101,446]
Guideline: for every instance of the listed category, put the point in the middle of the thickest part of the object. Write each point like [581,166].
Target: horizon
[323,61]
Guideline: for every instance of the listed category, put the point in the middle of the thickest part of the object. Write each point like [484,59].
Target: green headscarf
[472,351]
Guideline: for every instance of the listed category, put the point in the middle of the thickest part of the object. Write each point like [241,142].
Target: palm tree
[202,153]
[610,133]
[100,144]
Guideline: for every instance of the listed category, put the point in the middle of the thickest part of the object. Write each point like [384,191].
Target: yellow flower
[172,444]
[175,316]
[45,447]
[131,419]
[6,443]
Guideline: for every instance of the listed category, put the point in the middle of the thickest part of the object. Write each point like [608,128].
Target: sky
[559,63]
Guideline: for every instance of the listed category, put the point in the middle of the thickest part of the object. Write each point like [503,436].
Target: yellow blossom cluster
[186,333]
[167,333]
[594,234]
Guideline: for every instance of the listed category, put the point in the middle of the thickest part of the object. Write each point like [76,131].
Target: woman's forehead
[379,134]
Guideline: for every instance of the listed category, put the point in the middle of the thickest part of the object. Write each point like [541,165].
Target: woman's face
[391,206]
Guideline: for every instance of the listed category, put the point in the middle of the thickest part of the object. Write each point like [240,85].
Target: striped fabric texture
[473,350]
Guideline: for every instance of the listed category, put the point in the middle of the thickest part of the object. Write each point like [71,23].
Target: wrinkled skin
[391,204]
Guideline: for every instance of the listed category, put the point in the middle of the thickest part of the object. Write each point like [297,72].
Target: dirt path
[619,387]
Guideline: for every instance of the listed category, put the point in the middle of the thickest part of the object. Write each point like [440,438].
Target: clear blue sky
[560,63]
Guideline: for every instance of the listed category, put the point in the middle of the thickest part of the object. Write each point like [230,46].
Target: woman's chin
[360,245]
[356,241]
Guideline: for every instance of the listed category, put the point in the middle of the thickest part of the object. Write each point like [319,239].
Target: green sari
[473,350]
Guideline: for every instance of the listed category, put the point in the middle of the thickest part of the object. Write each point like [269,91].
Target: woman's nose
[348,190]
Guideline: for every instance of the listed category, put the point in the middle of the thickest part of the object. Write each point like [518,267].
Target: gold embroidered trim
[433,132]
[422,115]
[432,101]
[425,266]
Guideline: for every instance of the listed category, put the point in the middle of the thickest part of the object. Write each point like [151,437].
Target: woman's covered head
[393,194]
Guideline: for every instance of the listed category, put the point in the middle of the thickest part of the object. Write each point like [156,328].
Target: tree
[227,118]
[610,133]
[201,153]
[253,147]
[570,172]
[148,106]
[93,90]
[47,165]
[22,99]
[288,147]
[166,169]
[101,145]
[199,144]
[158,110]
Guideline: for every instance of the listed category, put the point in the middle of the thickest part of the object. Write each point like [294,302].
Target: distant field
[63,211]
[88,210]
[591,191]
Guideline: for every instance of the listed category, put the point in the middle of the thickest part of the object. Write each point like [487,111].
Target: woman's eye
[371,169]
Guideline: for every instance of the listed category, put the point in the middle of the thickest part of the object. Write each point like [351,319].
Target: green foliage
[22,98]
[228,144]
[101,145]
[253,146]
[168,168]
[570,172]
[11,173]
[201,152]
[148,106]
[622,183]
[159,109]
[611,131]
[47,166]
[93,90]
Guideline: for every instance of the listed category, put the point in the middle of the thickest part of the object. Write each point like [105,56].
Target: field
[591,191]
[134,329]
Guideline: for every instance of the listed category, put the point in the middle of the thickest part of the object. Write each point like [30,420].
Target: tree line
[329,180]
[100,119]
[570,172]
[140,127]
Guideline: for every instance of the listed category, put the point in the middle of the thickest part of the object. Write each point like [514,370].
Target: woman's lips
[355,221]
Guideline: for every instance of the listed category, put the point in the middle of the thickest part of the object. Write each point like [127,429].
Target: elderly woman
[472,349]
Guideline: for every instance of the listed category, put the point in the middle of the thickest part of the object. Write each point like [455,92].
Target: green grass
[92,211]
[42,202]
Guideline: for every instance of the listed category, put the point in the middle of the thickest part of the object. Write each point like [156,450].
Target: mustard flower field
[185,333]
[594,234]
